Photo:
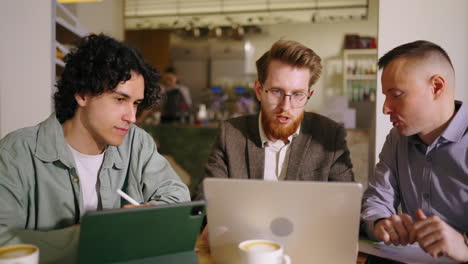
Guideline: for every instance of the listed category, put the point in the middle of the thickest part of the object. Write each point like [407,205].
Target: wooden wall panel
[153,44]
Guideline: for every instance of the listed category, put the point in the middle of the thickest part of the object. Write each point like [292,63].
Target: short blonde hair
[292,53]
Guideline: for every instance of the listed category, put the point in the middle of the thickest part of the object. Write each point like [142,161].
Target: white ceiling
[209,13]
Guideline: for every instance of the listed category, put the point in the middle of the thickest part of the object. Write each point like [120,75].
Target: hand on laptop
[438,238]
[396,229]
[140,205]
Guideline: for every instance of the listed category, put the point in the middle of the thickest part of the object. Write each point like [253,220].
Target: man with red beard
[423,165]
[282,142]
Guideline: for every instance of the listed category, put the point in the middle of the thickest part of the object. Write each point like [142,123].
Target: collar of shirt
[277,143]
[52,146]
[454,131]
[458,125]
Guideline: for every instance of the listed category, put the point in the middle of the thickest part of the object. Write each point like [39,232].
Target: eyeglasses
[276,96]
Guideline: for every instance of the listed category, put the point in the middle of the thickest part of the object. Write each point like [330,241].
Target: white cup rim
[280,247]
[8,247]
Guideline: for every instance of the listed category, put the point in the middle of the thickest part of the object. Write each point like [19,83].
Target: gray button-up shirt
[40,190]
[414,175]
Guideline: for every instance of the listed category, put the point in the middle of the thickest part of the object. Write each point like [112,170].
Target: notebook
[316,222]
[155,234]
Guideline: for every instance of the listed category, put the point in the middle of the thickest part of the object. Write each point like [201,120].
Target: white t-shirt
[88,167]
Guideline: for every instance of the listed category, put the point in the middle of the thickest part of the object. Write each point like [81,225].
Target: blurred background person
[177,100]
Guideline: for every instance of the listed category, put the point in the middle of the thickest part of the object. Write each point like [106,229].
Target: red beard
[276,131]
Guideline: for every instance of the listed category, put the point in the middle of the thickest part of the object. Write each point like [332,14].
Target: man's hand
[396,229]
[205,240]
[438,238]
[134,206]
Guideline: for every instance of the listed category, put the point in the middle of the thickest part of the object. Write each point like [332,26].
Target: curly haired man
[74,161]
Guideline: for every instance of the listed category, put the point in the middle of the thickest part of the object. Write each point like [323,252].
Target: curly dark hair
[98,65]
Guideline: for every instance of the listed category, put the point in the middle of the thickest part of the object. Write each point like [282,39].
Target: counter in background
[190,147]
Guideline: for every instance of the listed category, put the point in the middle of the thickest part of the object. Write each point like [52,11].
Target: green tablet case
[156,234]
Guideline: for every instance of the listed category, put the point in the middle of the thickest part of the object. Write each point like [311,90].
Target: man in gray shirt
[423,165]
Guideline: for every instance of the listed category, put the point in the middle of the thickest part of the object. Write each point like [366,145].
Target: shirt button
[76,179]
[426,196]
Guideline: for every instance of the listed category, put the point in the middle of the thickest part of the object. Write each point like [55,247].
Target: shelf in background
[73,26]
[357,63]
[361,76]
[75,30]
[68,32]
[64,33]
[360,51]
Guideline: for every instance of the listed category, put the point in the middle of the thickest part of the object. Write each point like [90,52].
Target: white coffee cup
[259,251]
[19,254]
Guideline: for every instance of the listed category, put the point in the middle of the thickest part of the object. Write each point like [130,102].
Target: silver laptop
[316,222]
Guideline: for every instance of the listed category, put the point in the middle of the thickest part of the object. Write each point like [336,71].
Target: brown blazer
[318,153]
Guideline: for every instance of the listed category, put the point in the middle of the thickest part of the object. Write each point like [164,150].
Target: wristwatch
[465,237]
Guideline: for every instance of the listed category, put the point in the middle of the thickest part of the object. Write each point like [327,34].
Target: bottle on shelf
[202,114]
[361,93]
[372,94]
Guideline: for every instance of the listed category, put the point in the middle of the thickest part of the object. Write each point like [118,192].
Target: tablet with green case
[154,234]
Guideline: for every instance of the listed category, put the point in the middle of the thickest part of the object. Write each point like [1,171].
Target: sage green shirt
[40,190]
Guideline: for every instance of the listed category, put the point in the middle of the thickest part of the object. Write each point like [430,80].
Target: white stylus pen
[128,198]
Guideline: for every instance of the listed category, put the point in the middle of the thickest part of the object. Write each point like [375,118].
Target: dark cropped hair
[416,49]
[292,53]
[98,65]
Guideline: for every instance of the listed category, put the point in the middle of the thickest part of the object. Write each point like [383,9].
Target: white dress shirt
[276,154]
